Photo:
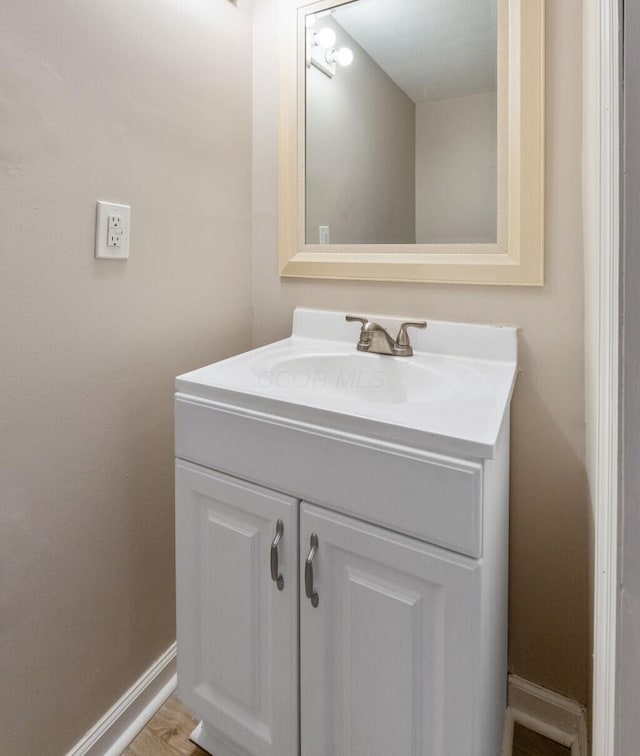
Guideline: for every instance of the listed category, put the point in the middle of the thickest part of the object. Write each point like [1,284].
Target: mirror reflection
[401,123]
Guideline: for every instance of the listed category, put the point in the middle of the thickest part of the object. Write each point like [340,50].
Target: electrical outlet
[114,239]
[113,226]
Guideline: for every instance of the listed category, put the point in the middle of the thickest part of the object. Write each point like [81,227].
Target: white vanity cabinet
[392,631]
[238,633]
[342,578]
[389,653]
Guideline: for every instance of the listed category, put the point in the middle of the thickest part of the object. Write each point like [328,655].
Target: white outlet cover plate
[103,211]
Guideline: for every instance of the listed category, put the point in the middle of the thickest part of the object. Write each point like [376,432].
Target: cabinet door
[237,631]
[388,656]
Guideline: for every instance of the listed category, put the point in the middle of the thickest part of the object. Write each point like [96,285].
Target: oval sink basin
[451,394]
[357,377]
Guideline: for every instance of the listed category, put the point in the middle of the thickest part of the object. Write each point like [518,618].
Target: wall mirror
[411,140]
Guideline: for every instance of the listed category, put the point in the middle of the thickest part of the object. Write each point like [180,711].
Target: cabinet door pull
[308,573]
[275,575]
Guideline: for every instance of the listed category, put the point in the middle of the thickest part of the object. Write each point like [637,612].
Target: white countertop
[450,397]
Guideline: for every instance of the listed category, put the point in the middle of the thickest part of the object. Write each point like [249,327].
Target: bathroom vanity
[341,535]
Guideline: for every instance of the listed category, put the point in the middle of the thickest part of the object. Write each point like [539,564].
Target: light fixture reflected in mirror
[321,51]
[324,38]
[343,56]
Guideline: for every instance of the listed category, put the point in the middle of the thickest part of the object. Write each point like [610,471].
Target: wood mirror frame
[517,258]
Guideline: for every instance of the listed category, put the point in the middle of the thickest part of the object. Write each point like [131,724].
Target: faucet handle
[403,336]
[365,338]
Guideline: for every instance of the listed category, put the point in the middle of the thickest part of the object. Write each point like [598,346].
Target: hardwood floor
[167,733]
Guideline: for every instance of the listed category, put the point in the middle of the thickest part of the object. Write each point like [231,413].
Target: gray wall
[361,153]
[146,103]
[628,664]
[456,170]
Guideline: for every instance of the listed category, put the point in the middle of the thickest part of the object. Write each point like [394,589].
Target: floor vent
[526,742]
[540,722]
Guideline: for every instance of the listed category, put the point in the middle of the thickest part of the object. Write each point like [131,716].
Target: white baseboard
[555,717]
[127,717]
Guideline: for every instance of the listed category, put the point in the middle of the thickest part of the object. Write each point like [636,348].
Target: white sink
[359,377]
[450,396]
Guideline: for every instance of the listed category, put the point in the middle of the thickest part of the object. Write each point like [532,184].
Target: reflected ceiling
[432,49]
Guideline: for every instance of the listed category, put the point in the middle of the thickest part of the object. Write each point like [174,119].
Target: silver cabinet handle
[308,573]
[275,576]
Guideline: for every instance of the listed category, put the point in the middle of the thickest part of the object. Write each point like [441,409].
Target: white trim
[127,717]
[602,238]
[555,717]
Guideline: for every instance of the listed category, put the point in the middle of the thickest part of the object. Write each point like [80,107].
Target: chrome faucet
[376,339]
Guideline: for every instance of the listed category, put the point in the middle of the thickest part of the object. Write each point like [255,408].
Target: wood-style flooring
[168,734]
